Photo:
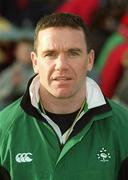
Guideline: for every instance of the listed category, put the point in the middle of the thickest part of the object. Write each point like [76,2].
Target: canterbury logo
[24,157]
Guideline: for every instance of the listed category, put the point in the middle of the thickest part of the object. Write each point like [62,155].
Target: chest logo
[104,155]
[23,157]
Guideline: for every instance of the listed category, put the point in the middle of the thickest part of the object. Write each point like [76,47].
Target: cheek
[81,69]
[45,72]
[82,73]
[42,72]
[43,78]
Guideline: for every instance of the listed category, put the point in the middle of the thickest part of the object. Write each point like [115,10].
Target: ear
[91,56]
[34,62]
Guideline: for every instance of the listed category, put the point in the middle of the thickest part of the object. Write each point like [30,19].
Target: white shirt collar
[94,97]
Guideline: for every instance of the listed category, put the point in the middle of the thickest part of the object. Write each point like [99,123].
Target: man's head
[62,55]
[62,20]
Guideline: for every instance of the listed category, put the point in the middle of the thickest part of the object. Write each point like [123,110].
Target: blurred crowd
[107,21]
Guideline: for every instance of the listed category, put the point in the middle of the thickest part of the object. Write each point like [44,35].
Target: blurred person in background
[6,53]
[121,92]
[3,58]
[113,65]
[6,42]
[104,24]
[85,9]
[118,36]
[63,127]
[13,79]
[113,70]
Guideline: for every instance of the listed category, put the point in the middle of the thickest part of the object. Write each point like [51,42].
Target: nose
[61,63]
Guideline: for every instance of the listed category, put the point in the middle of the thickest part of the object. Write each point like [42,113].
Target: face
[62,61]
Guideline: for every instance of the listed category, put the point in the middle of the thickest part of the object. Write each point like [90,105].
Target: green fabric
[93,154]
[111,42]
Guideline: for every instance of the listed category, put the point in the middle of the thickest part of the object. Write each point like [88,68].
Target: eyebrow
[48,51]
[68,50]
[75,49]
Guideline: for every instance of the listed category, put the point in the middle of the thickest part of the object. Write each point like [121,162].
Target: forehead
[64,36]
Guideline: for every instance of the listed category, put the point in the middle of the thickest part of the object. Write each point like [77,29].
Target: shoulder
[118,126]
[10,110]
[119,117]
[118,108]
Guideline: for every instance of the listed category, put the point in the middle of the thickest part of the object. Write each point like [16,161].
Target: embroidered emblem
[103,155]
[24,157]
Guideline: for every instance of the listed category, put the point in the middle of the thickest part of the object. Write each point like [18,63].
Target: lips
[59,78]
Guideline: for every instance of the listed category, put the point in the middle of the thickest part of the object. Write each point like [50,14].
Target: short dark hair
[62,20]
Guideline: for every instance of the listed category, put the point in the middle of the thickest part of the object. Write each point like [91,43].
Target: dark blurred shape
[4,174]
[123,172]
[26,12]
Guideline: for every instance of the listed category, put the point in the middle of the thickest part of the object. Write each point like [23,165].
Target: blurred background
[107,21]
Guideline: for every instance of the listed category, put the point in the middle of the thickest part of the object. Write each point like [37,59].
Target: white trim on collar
[34,91]
[95,97]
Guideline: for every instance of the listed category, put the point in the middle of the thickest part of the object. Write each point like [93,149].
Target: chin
[62,95]
[68,96]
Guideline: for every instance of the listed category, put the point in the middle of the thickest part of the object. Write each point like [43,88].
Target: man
[63,128]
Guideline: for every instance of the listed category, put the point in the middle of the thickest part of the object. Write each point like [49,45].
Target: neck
[62,105]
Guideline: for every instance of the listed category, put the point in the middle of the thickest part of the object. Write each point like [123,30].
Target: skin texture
[62,63]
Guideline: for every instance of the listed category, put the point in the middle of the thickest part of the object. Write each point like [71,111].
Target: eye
[73,53]
[50,54]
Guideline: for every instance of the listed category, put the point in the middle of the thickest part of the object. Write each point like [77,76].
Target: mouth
[61,78]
